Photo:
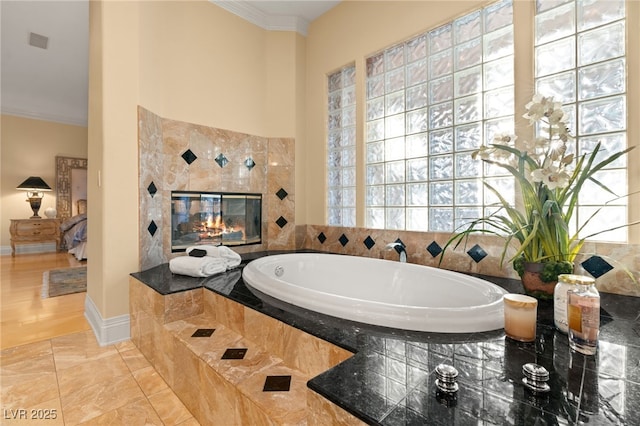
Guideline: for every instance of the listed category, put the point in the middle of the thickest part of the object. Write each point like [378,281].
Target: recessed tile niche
[179,156]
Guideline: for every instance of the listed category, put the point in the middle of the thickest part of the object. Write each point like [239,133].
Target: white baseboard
[23,248]
[108,331]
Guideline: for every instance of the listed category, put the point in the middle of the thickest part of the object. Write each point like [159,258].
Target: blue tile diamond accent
[343,240]
[222,160]
[152,228]
[596,266]
[368,242]
[322,238]
[152,189]
[189,156]
[477,253]
[282,194]
[281,222]
[434,249]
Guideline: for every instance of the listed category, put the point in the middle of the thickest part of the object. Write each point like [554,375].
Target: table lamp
[35,187]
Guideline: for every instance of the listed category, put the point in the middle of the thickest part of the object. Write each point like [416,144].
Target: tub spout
[401,249]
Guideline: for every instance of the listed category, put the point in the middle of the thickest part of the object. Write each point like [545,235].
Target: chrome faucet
[400,248]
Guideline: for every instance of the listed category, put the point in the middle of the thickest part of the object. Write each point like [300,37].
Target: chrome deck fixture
[446,376]
[400,248]
[535,378]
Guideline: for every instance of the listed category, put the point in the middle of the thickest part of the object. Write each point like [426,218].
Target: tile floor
[71,380]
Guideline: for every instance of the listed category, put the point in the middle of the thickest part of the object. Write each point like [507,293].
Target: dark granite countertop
[390,380]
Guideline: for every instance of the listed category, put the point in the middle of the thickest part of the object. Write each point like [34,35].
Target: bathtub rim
[440,320]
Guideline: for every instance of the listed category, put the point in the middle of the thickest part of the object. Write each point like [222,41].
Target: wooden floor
[24,316]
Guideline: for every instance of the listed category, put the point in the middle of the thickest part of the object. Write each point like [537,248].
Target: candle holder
[520,315]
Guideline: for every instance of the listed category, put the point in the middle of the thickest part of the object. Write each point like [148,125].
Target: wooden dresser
[34,231]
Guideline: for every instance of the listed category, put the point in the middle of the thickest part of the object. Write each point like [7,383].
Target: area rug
[58,282]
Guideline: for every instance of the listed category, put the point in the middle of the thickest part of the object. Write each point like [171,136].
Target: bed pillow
[68,223]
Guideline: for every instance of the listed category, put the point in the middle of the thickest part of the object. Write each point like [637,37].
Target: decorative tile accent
[152,189]
[277,384]
[234,353]
[282,194]
[368,242]
[203,332]
[477,253]
[343,240]
[322,238]
[249,163]
[152,228]
[281,222]
[222,160]
[596,266]
[434,249]
[189,156]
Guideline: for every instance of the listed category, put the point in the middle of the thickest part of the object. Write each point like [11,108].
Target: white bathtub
[380,292]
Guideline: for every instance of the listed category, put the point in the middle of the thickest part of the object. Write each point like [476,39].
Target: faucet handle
[397,245]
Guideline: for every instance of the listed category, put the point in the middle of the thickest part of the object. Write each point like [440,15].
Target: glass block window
[341,148]
[431,101]
[580,61]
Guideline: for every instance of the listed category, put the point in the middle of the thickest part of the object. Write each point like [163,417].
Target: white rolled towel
[197,266]
[230,257]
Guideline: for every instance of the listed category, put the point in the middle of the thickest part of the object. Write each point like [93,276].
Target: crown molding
[44,116]
[263,20]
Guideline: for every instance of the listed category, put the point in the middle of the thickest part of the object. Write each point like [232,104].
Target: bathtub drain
[279,271]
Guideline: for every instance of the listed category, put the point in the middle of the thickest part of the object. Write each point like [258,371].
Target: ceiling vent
[37,40]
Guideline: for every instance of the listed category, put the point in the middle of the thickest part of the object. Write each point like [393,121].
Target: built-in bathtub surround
[374,375]
[229,364]
[179,156]
[616,267]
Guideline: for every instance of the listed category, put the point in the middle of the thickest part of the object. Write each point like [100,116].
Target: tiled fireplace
[179,156]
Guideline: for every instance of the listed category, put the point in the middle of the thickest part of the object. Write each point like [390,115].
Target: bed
[74,232]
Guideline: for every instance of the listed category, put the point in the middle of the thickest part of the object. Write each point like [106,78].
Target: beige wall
[29,148]
[354,30]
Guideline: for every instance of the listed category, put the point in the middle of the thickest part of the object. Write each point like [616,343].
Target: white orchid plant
[549,180]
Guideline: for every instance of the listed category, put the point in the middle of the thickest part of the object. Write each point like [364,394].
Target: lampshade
[35,184]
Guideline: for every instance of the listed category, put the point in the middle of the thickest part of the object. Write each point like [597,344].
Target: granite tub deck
[390,378]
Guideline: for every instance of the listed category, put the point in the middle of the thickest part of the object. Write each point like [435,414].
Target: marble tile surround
[625,258]
[161,143]
[274,348]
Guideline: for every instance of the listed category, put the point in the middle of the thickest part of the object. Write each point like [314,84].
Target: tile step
[224,378]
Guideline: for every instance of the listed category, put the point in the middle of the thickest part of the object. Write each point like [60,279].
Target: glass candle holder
[520,314]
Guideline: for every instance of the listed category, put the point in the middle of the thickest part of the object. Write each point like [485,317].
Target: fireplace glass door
[215,218]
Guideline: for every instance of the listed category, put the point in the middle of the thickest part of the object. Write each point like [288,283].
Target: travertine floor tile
[74,379]
[124,346]
[29,392]
[98,399]
[169,407]
[138,413]
[190,422]
[150,381]
[77,348]
[134,359]
[27,369]
[20,353]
